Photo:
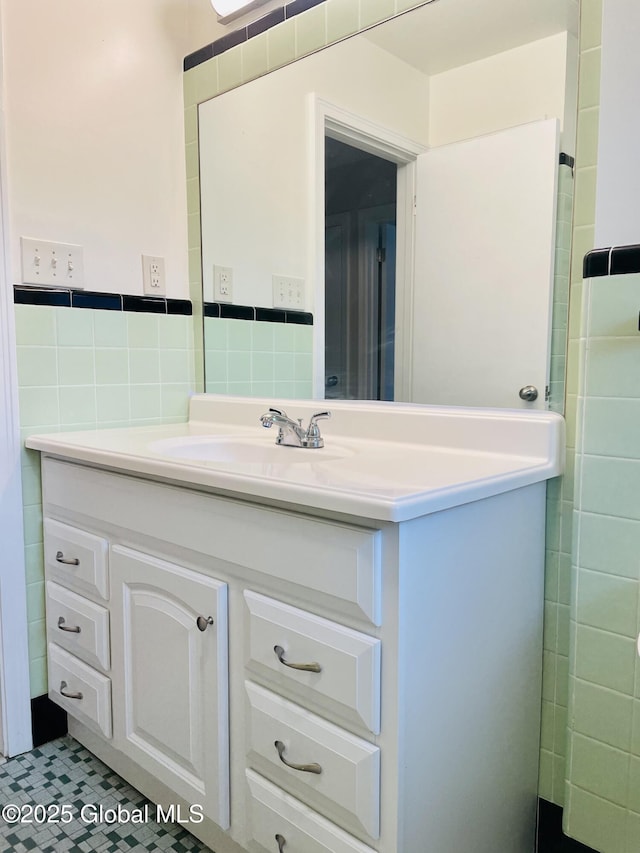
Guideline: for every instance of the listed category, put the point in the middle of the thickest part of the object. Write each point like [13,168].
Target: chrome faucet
[292,434]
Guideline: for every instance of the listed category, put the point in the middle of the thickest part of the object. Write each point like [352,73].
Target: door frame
[343,222]
[369,222]
[329,119]
[15,702]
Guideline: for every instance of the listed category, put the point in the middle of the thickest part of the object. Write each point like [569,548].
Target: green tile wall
[560,318]
[258,359]
[82,369]
[558,548]
[560,494]
[602,806]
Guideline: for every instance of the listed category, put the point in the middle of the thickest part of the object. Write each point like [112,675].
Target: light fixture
[227,10]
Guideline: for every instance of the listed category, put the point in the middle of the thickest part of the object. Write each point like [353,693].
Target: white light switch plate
[288,292]
[50,264]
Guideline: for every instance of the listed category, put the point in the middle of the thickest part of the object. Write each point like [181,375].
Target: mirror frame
[240,64]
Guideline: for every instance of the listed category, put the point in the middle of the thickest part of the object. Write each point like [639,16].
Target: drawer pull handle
[60,558]
[281,842]
[307,667]
[63,627]
[63,685]
[203,622]
[304,768]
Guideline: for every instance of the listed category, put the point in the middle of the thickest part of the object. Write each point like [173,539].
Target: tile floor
[63,773]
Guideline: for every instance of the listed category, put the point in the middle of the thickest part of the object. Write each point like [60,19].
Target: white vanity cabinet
[318,683]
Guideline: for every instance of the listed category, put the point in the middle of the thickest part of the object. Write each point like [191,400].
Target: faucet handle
[318,416]
[313,431]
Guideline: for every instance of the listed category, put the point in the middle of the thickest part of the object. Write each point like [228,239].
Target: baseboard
[48,720]
[550,837]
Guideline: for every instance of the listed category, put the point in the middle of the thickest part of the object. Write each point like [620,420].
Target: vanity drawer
[347,787]
[347,684]
[280,822]
[78,625]
[342,563]
[91,703]
[76,558]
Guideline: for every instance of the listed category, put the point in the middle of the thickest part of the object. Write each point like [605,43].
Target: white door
[484,261]
[170,703]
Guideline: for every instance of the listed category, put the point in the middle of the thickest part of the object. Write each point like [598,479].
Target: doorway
[360,273]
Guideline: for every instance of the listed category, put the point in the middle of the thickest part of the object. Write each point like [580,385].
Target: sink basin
[244,451]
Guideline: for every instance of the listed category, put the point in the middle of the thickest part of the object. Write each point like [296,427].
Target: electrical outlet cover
[153,278]
[222,284]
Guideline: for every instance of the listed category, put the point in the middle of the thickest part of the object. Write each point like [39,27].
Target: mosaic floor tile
[64,773]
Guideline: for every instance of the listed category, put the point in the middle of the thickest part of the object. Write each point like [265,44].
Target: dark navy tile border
[33,296]
[596,263]
[199,56]
[231,40]
[153,305]
[298,6]
[616,260]
[550,837]
[300,318]
[48,720]
[277,16]
[237,312]
[101,301]
[264,24]
[144,304]
[104,301]
[625,259]
[229,311]
[271,315]
[179,306]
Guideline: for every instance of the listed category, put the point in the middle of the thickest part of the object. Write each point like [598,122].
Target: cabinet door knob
[63,627]
[60,558]
[528,393]
[203,622]
[303,768]
[307,667]
[281,842]
[63,692]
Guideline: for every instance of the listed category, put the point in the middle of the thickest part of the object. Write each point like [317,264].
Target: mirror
[378,219]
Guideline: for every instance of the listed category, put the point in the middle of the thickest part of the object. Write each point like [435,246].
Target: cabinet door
[171,676]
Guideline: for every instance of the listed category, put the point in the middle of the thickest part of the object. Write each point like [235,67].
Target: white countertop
[381,461]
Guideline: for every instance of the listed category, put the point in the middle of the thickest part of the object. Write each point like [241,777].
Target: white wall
[95,132]
[255,161]
[505,90]
[94,124]
[618,180]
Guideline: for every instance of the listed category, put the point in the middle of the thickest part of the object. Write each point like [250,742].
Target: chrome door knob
[528,393]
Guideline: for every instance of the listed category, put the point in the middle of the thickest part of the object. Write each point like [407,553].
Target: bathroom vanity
[332,649]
